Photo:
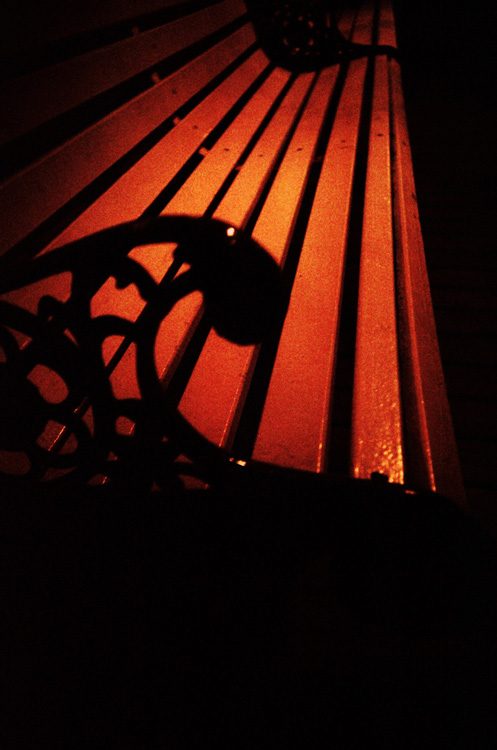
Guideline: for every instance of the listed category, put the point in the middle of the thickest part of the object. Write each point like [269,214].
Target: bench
[227,464]
[184,114]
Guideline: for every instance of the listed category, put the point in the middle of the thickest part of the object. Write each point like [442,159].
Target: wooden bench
[201,545]
[180,112]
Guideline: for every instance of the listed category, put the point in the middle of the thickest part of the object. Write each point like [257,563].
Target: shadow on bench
[229,473]
[62,432]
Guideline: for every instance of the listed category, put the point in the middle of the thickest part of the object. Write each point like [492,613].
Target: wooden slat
[42,189]
[243,195]
[40,96]
[236,207]
[295,422]
[434,462]
[222,373]
[376,418]
[63,20]
[386,25]
[201,187]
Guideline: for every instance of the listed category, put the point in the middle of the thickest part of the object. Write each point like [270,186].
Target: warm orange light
[230,231]
[238,462]
[51,386]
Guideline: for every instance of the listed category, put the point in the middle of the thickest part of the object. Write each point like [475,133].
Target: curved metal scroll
[243,298]
[240,283]
[304,35]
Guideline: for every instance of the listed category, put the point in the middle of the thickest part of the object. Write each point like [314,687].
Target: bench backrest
[180,112]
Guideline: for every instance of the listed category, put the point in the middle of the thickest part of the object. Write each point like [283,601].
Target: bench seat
[191,117]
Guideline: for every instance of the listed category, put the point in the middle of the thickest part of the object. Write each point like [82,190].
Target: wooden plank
[386,25]
[215,393]
[295,422]
[36,98]
[376,412]
[178,328]
[62,20]
[78,162]
[433,454]
[240,200]
[201,187]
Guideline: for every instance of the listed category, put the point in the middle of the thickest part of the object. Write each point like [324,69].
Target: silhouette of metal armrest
[302,35]
[241,288]
[414,543]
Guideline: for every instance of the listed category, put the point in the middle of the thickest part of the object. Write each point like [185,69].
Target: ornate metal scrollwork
[304,35]
[243,298]
[241,289]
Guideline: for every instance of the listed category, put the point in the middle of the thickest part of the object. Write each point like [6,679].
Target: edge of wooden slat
[377,441]
[436,463]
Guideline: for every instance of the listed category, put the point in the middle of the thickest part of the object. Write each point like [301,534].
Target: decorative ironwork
[241,290]
[243,298]
[304,35]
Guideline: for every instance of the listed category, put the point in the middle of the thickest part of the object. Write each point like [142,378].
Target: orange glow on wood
[28,297]
[236,205]
[15,463]
[123,377]
[110,345]
[124,425]
[376,419]
[52,433]
[278,215]
[295,423]
[132,193]
[175,332]
[272,230]
[155,259]
[197,192]
[386,25]
[52,387]
[111,300]
[76,163]
[239,201]
[395,332]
